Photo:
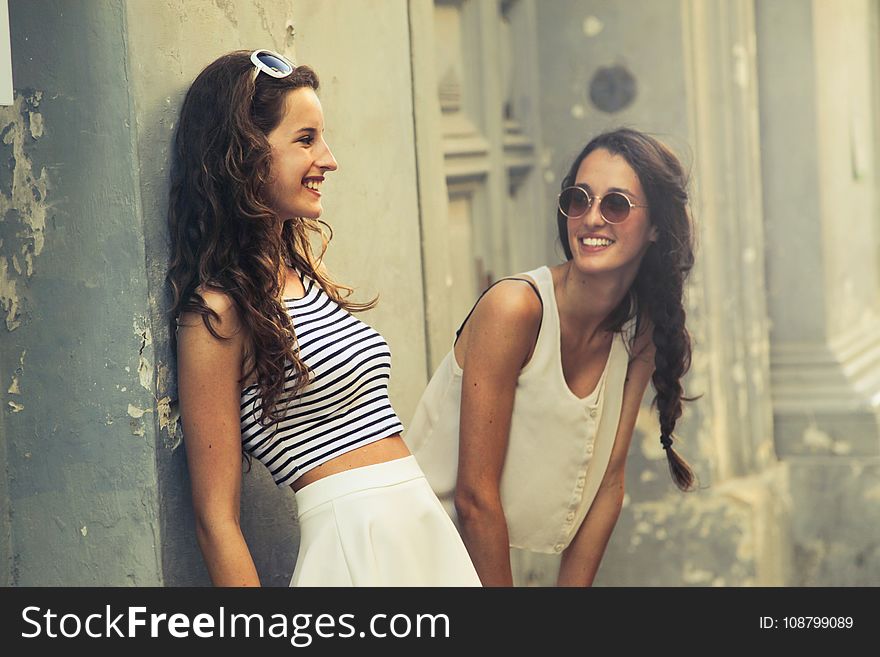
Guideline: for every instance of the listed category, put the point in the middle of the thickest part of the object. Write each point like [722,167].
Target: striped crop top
[344,406]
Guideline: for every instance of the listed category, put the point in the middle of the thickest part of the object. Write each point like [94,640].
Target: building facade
[453,122]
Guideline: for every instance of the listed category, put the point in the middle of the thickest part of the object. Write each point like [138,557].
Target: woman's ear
[654,235]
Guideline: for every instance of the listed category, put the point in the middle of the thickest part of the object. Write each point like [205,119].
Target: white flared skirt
[378,525]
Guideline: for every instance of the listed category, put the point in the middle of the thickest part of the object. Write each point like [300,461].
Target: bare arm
[581,559]
[499,337]
[208,382]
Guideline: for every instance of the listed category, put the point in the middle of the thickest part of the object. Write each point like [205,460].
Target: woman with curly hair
[524,429]
[269,359]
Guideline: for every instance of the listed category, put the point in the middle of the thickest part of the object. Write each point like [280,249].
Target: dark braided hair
[658,289]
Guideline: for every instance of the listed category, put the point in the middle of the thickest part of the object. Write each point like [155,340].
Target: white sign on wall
[5,56]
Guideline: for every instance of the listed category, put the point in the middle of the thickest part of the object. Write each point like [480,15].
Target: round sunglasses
[614,207]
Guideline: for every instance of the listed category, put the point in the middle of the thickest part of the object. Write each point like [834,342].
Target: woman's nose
[593,216]
[328,162]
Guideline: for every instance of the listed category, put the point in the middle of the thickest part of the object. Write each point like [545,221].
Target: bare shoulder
[228,323]
[513,301]
[504,325]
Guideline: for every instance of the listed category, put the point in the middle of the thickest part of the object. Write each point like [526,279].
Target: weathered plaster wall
[819,167]
[82,494]
[835,522]
[371,201]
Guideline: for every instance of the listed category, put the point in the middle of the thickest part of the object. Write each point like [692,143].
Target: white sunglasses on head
[271,63]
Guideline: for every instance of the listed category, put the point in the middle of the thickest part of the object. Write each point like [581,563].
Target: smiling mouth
[595,242]
[313,185]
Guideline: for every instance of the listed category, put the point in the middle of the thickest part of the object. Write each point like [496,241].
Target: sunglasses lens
[614,207]
[277,65]
[574,202]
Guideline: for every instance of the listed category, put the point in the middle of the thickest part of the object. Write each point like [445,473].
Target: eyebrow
[623,190]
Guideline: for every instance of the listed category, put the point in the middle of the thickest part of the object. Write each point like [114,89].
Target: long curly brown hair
[224,234]
[657,292]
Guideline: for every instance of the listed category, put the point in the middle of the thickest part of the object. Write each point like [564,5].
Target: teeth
[596,241]
[312,184]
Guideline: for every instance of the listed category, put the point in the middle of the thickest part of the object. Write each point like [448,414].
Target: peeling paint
[841,448]
[168,417]
[145,371]
[136,412]
[814,437]
[36,125]
[228,10]
[592,26]
[163,374]
[697,576]
[16,408]
[8,295]
[84,530]
[145,365]
[24,203]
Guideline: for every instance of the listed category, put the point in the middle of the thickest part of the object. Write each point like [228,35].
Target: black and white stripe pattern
[345,404]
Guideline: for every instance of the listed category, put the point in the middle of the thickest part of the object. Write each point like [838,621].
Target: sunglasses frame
[260,65]
[595,198]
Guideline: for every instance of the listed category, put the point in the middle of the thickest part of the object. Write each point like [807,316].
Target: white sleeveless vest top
[559,444]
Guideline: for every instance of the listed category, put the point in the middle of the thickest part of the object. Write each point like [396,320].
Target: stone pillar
[77,355]
[818,77]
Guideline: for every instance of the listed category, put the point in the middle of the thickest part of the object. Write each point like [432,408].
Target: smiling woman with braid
[524,429]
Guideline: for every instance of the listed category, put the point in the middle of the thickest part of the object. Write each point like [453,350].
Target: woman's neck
[587,300]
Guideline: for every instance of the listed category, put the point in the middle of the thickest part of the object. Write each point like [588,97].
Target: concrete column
[77,353]
[820,191]
[437,268]
[818,82]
